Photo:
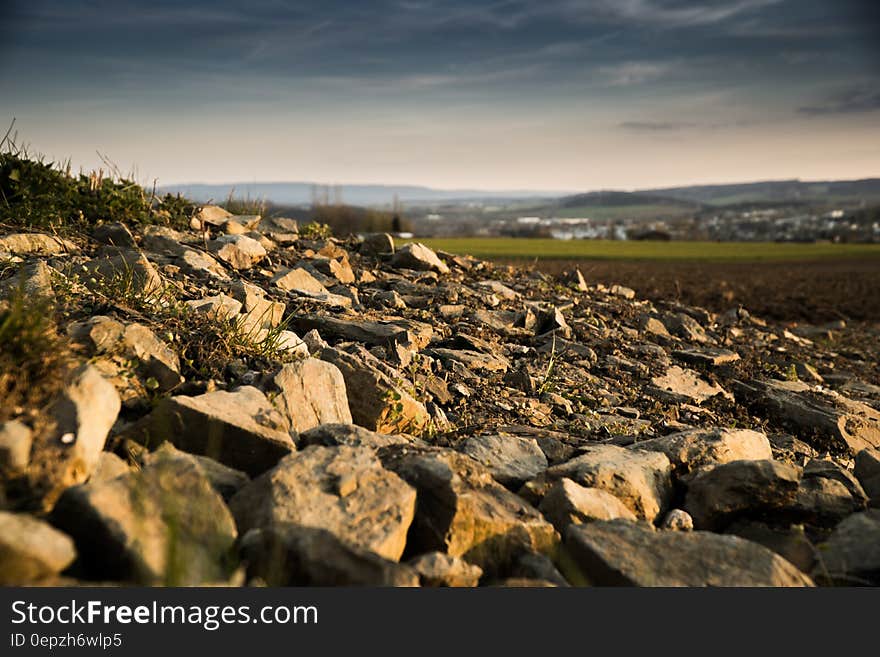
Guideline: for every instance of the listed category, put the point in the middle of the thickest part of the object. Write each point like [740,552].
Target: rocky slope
[239,404]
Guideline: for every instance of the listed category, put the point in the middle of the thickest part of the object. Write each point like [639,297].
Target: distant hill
[300,193]
[777,191]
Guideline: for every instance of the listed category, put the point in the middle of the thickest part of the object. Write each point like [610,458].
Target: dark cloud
[850,101]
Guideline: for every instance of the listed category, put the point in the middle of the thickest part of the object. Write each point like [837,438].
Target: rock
[741,488]
[377,244]
[219,307]
[511,460]
[824,502]
[114,234]
[240,429]
[826,469]
[239,251]
[680,385]
[67,446]
[552,321]
[161,525]
[344,490]
[109,467]
[867,470]
[200,264]
[624,553]
[419,257]
[788,542]
[225,480]
[374,399]
[653,326]
[213,215]
[259,311]
[843,423]
[294,555]
[156,358]
[851,555]
[15,447]
[463,512]
[338,268]
[31,549]
[569,503]
[576,279]
[438,569]
[678,520]
[128,269]
[621,291]
[537,566]
[417,335]
[23,244]
[312,393]
[298,280]
[336,435]
[33,279]
[641,480]
[698,449]
[499,289]
[685,327]
[707,357]
[473,360]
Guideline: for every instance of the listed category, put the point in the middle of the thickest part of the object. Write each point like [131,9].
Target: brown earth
[813,292]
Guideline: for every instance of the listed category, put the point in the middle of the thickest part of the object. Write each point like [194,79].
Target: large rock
[67,446]
[741,488]
[680,385]
[419,257]
[336,435]
[416,335]
[851,555]
[239,251]
[294,555]
[624,553]
[641,480]
[34,244]
[841,423]
[473,360]
[30,549]
[438,569]
[259,311]
[15,447]
[312,393]
[241,429]
[125,271]
[344,490]
[225,480]
[569,503]
[298,280]
[867,470]
[162,525]
[464,512]
[511,460]
[698,449]
[375,399]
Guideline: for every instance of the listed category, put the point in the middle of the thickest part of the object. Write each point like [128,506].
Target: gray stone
[128,269]
[438,569]
[298,280]
[225,480]
[239,251]
[161,525]
[624,553]
[109,467]
[240,429]
[686,327]
[740,489]
[680,385]
[678,520]
[511,460]
[15,447]
[851,555]
[344,490]
[294,555]
[419,257]
[867,470]
[336,435]
[473,360]
[34,244]
[699,449]
[569,503]
[416,335]
[31,549]
[377,244]
[114,234]
[312,393]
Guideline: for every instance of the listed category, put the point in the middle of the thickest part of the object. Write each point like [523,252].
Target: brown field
[814,292]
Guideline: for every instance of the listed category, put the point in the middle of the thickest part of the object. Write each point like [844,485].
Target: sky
[572,95]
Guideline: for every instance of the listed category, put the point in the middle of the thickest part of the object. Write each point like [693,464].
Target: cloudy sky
[494,94]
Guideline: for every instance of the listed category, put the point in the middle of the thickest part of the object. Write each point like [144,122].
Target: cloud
[630,73]
[669,13]
[850,101]
[656,126]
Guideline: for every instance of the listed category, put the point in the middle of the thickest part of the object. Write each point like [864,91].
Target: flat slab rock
[312,393]
[842,422]
[31,549]
[681,385]
[698,449]
[344,490]
[511,460]
[624,553]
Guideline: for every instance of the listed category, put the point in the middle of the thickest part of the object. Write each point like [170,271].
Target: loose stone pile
[428,419]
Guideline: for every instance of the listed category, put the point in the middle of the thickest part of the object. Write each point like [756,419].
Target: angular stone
[708,357]
[219,307]
[161,525]
[156,358]
[295,555]
[417,335]
[338,268]
[33,279]
[239,251]
[15,447]
[740,489]
[843,423]
[499,289]
[464,512]
[129,269]
[791,543]
[377,244]
[680,385]
[298,280]
[624,553]
[473,360]
[374,398]
[511,460]
[225,480]
[851,555]
[213,215]
[699,449]
[344,490]
[568,503]
[68,444]
[312,393]
[824,502]
[686,327]
[114,234]
[623,292]
[438,569]
[867,470]
[678,520]
[240,429]
[22,244]
[826,469]
[641,480]
[31,549]
[419,257]
[337,435]
[109,467]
